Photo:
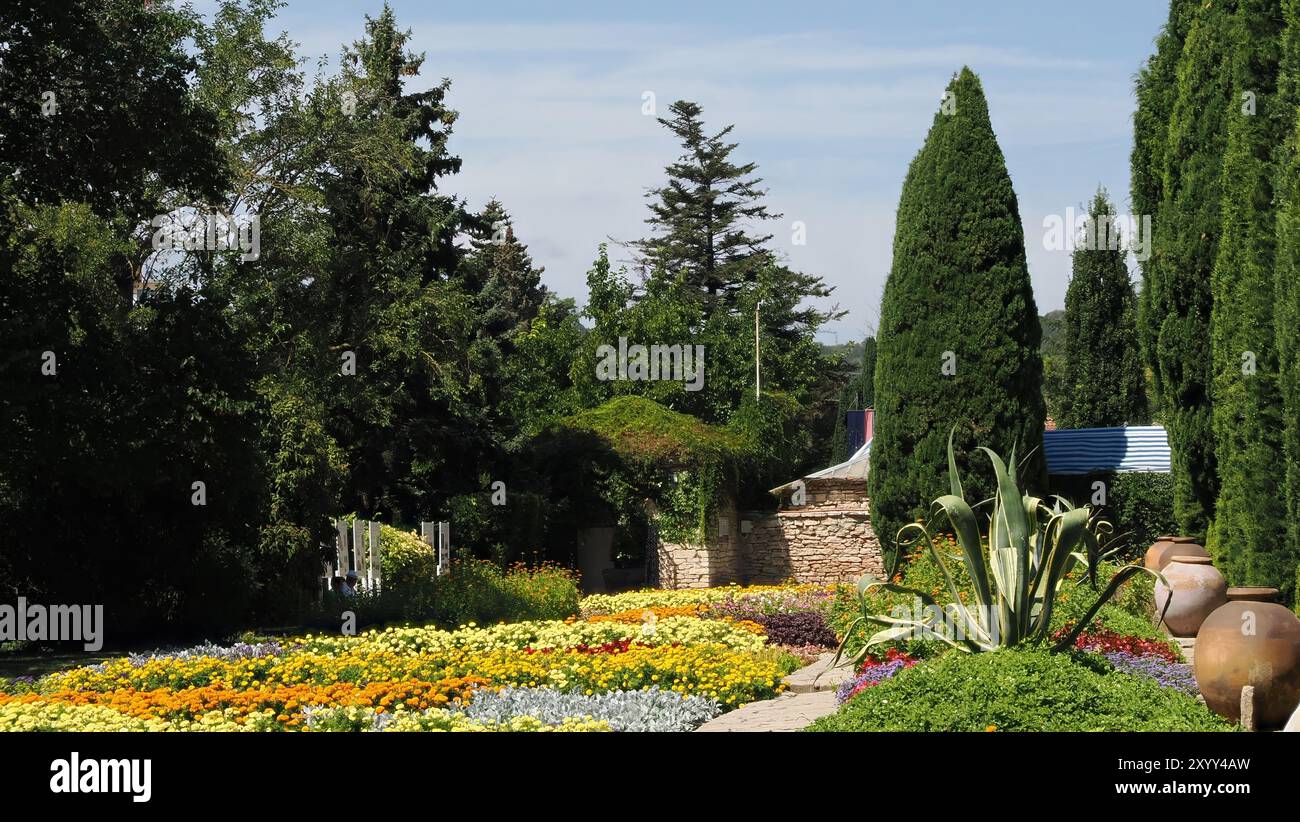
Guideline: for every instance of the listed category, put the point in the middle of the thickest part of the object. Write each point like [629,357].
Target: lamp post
[758,378]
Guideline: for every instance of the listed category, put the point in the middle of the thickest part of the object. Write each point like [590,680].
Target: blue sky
[831,99]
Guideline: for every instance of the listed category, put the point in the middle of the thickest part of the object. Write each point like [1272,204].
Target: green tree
[391,291]
[1156,91]
[508,284]
[1053,351]
[539,374]
[99,110]
[1248,533]
[1186,240]
[149,424]
[959,334]
[1102,374]
[702,214]
[1286,285]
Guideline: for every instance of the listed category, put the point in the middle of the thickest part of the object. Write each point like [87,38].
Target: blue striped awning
[1079,451]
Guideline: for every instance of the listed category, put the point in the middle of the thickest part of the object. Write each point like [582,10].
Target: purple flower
[873,673]
[1169,674]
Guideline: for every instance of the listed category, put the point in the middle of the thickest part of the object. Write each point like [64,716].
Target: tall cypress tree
[1287,279]
[959,333]
[1186,239]
[1249,523]
[1156,91]
[1102,378]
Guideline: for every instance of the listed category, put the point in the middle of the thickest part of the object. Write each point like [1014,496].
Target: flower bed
[873,671]
[669,669]
[770,597]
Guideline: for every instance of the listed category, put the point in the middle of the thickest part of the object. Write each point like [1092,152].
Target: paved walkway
[809,694]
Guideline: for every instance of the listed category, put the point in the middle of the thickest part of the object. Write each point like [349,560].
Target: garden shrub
[1141,506]
[475,591]
[1020,690]
[405,557]
[1131,611]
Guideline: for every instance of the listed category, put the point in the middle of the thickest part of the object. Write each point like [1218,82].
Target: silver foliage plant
[649,710]
[638,711]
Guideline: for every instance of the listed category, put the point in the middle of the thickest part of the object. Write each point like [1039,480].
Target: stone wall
[827,539]
[717,562]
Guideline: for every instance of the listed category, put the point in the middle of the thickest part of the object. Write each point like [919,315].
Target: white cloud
[551,125]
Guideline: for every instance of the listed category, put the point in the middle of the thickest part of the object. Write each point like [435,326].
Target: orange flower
[188,703]
[635,616]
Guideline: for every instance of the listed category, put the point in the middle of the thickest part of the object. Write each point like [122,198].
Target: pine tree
[959,332]
[1102,375]
[1287,283]
[1248,534]
[1186,238]
[508,284]
[702,214]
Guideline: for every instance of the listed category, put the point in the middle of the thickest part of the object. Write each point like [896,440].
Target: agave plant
[1032,546]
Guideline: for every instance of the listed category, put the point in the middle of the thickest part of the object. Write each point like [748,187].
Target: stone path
[809,694]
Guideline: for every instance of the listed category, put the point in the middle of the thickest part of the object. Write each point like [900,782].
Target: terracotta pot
[1197,588]
[1165,548]
[1250,643]
[1293,724]
[1253,594]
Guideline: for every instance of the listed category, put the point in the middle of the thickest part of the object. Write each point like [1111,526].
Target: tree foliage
[959,333]
[1249,524]
[1102,374]
[1185,247]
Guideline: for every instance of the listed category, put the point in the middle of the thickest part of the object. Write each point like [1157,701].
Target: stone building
[821,532]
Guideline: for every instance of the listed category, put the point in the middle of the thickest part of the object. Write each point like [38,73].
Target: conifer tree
[391,292]
[958,342]
[508,284]
[1102,376]
[704,215]
[1287,286]
[1186,239]
[1156,89]
[1247,537]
